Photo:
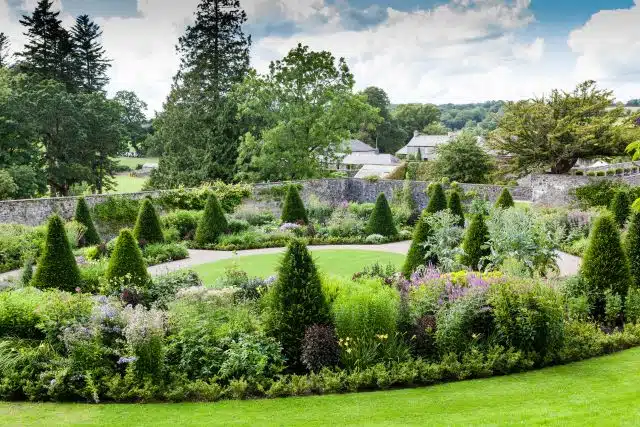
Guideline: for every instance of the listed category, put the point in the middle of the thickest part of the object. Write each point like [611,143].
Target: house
[424,146]
[355,146]
[380,171]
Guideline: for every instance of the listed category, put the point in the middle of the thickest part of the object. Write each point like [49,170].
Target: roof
[375,170]
[357,146]
[428,140]
[370,159]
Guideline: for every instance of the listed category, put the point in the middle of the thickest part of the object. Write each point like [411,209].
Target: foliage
[83,216]
[437,199]
[148,229]
[7,186]
[387,135]
[320,348]
[632,248]
[159,253]
[601,193]
[212,224]
[296,302]
[117,211]
[415,117]
[505,201]
[454,205]
[419,249]
[605,265]
[126,263]
[57,266]
[381,220]
[553,132]
[632,306]
[463,160]
[230,196]
[293,209]
[476,243]
[621,207]
[444,240]
[184,221]
[19,243]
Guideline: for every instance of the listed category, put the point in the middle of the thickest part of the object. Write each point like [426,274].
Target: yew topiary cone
[475,243]
[293,210]
[83,216]
[621,207]
[126,262]
[212,224]
[505,201]
[437,199]
[417,254]
[148,229]
[381,220]
[632,246]
[455,206]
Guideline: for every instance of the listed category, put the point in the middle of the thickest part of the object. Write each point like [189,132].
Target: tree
[454,204]
[386,135]
[89,57]
[505,201]
[437,199]
[133,117]
[419,249]
[381,220]
[296,302]
[621,207]
[48,51]
[476,243]
[57,266]
[126,263]
[83,216]
[298,116]
[415,117]
[632,247]
[293,209]
[4,50]
[605,266]
[148,229]
[436,129]
[463,160]
[212,224]
[199,126]
[552,133]
[8,187]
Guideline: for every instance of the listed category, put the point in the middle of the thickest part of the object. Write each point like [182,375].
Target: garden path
[568,264]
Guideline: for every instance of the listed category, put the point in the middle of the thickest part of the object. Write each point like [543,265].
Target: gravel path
[569,265]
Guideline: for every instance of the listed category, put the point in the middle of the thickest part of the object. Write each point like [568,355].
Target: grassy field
[334,262]
[597,392]
[132,162]
[128,184]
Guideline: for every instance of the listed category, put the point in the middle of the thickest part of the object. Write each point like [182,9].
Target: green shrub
[237,226]
[455,206]
[463,324]
[418,251]
[381,220]
[505,201]
[126,263]
[57,266]
[296,301]
[605,265]
[159,253]
[148,229]
[601,193]
[117,211]
[83,216]
[92,274]
[437,198]
[212,224]
[293,210]
[27,272]
[19,243]
[476,243]
[632,306]
[19,314]
[621,207]
[632,247]
[612,308]
[229,196]
[186,222]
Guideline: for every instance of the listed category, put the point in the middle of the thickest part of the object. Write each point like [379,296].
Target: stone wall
[36,211]
[557,190]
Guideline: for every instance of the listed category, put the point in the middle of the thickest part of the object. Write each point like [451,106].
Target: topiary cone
[381,220]
[293,210]
[605,265]
[455,206]
[621,207]
[83,216]
[632,246]
[475,243]
[126,261]
[148,229]
[437,199]
[417,254]
[57,266]
[212,224]
[505,201]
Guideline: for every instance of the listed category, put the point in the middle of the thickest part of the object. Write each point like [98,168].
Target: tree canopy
[463,160]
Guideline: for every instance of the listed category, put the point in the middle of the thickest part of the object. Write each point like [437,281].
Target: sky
[428,51]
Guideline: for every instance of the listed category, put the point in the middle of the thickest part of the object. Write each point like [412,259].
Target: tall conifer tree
[89,58]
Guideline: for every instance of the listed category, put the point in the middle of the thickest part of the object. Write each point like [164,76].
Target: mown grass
[132,162]
[597,392]
[128,184]
[343,263]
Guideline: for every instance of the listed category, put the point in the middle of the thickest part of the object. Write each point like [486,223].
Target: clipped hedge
[505,201]
[437,199]
[475,244]
[417,254]
[126,263]
[455,206]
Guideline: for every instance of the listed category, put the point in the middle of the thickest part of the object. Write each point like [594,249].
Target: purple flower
[124,360]
[287,226]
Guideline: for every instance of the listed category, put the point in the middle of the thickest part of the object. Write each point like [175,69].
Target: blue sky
[417,50]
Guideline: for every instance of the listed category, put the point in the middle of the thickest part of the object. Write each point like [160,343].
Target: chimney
[416,133]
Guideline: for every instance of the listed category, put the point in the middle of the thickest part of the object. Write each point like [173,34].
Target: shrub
[345,223]
[621,207]
[19,316]
[505,201]
[632,306]
[159,253]
[293,210]
[27,272]
[476,243]
[254,216]
[117,211]
[632,247]
[126,262]
[455,206]
[444,240]
[320,348]
[417,254]
[605,265]
[318,210]
[229,195]
[83,216]
[57,266]
[296,301]
[237,225]
[375,239]
[381,220]
[148,229]
[185,222]
[437,199]
[212,224]
[612,308]
[463,324]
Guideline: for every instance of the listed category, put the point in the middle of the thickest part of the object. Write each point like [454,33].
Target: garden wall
[36,211]
[556,190]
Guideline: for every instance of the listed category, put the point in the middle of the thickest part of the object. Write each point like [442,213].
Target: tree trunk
[563,166]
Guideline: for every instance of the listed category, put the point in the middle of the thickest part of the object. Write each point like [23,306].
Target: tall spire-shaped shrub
[437,199]
[505,201]
[213,222]
[83,216]
[381,220]
[148,227]
[475,242]
[455,206]
[293,210]
[418,251]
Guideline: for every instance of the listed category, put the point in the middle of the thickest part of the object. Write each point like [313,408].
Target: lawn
[128,184]
[602,392]
[132,162]
[335,262]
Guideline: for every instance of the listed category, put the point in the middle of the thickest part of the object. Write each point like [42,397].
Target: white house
[424,145]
